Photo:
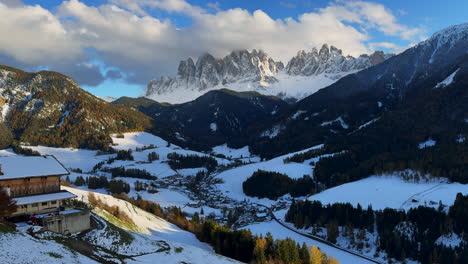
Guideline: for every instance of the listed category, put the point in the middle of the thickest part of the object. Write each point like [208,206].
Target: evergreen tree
[7,205]
[79,181]
[332,231]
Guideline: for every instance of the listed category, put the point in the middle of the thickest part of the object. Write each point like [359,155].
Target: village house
[34,183]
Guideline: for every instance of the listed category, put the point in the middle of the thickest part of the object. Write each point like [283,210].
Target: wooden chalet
[34,183]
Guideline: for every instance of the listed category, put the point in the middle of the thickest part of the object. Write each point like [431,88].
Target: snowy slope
[393,192]
[448,80]
[145,222]
[233,178]
[86,159]
[287,86]
[21,248]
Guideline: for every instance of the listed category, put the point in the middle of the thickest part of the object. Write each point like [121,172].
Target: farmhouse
[34,183]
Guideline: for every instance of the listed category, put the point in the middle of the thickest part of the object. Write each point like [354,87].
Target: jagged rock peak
[208,72]
[330,60]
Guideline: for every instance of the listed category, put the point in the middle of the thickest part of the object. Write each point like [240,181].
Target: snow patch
[298,113]
[461,139]
[449,240]
[273,132]
[214,127]
[338,119]
[428,143]
[232,153]
[368,123]
[447,81]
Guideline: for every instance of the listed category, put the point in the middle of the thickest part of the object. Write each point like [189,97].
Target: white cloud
[386,45]
[177,6]
[32,34]
[373,15]
[123,35]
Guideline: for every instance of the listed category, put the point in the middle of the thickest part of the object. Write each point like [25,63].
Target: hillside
[150,239]
[49,108]
[402,83]
[213,119]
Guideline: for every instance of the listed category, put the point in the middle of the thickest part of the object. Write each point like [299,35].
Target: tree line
[272,185]
[178,161]
[412,234]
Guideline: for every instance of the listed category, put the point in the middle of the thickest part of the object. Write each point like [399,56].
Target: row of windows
[34,205]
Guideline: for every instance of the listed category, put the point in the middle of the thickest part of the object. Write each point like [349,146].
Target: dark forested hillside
[213,119]
[392,143]
[49,108]
[359,98]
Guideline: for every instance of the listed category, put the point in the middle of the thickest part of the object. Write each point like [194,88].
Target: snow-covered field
[86,159]
[21,248]
[232,153]
[233,178]
[73,158]
[393,192]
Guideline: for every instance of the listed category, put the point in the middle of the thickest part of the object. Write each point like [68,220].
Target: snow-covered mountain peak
[330,60]
[242,70]
[451,40]
[453,33]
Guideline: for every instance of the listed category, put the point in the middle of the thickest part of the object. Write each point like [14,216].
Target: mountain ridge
[242,70]
[49,108]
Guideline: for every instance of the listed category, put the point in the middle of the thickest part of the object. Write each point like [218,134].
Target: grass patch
[7,227]
[55,255]
[179,249]
[117,222]
[125,238]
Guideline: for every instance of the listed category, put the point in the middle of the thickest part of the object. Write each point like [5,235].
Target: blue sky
[114,47]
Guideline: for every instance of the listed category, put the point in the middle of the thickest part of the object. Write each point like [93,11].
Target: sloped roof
[44,198]
[14,167]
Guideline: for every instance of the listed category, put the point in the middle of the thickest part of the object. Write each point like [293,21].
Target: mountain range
[353,101]
[242,70]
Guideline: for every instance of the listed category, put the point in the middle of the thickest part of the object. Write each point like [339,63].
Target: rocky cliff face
[256,71]
[255,67]
[331,61]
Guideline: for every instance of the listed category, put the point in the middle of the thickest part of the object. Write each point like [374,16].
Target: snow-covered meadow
[393,192]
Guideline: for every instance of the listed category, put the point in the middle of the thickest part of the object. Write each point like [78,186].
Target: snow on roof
[44,198]
[14,167]
[66,212]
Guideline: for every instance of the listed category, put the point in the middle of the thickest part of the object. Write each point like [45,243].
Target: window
[53,202]
[44,204]
[24,206]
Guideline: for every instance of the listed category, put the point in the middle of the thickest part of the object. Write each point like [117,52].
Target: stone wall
[67,222]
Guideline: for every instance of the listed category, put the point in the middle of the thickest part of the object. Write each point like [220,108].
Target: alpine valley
[327,159]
